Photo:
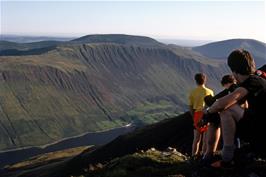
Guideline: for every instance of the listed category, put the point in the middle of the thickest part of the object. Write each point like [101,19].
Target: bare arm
[228,100]
[191,110]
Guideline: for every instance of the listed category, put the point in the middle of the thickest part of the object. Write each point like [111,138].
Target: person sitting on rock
[251,121]
[214,131]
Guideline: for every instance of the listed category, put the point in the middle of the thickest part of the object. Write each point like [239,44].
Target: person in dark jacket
[250,121]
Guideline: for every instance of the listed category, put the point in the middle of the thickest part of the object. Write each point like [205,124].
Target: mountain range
[51,90]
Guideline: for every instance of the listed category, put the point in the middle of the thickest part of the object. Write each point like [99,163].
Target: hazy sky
[179,20]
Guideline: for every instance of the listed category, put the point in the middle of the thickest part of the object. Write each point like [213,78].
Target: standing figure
[196,104]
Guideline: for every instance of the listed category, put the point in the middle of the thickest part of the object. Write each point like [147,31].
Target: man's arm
[191,110]
[228,100]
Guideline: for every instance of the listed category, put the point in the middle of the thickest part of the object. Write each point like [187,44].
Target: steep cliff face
[76,88]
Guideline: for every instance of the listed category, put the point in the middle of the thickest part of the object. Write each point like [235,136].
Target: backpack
[261,72]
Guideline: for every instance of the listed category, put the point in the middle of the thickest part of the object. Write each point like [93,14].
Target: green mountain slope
[76,88]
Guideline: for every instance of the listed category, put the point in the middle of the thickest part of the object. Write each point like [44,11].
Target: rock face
[76,87]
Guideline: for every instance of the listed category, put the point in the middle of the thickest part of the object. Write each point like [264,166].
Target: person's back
[196,103]
[197,97]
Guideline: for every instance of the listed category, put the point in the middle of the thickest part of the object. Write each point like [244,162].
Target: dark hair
[200,78]
[228,79]
[240,61]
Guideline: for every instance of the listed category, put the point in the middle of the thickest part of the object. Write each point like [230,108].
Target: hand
[205,111]
[205,119]
[202,123]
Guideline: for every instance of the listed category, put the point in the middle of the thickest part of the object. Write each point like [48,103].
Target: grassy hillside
[144,152]
[76,88]
[145,163]
[165,163]
[47,158]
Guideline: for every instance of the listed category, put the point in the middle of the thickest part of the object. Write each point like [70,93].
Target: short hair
[240,61]
[228,79]
[200,78]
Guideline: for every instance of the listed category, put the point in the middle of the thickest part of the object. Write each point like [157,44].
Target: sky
[192,20]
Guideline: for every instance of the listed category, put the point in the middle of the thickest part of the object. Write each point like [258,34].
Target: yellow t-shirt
[196,97]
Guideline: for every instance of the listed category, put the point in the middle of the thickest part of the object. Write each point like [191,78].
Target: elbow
[219,106]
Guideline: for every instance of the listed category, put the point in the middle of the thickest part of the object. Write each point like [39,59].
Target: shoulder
[253,83]
[192,91]
[209,91]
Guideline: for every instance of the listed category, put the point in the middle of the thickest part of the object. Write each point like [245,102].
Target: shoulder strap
[261,73]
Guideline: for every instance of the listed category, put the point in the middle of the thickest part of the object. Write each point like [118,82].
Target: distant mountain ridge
[119,39]
[31,39]
[221,49]
[216,50]
[35,48]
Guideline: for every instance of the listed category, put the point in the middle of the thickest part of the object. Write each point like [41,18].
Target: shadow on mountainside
[175,132]
[145,152]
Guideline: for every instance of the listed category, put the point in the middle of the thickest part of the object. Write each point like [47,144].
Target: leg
[204,143]
[217,135]
[196,142]
[213,136]
[229,118]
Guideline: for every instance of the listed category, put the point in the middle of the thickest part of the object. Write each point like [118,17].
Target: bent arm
[228,100]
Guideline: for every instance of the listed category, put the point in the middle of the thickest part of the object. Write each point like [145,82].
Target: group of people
[236,112]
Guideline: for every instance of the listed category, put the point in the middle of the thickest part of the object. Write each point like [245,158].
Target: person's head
[227,81]
[241,62]
[200,78]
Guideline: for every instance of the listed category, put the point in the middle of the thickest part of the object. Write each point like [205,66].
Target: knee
[197,139]
[225,114]
[234,112]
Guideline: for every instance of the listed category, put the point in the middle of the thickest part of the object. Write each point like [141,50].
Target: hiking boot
[223,165]
[196,157]
[206,161]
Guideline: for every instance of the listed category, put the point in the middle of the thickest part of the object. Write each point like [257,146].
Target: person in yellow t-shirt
[196,104]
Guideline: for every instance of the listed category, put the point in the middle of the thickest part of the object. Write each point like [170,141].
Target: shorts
[196,118]
[215,120]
